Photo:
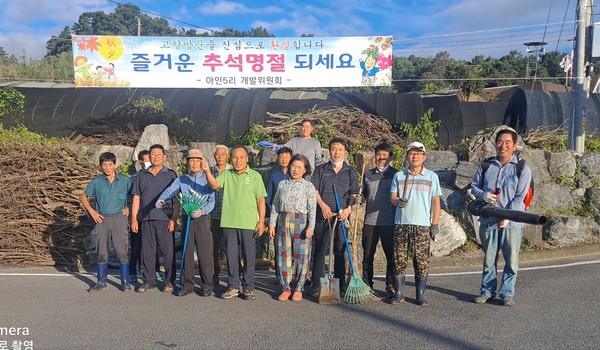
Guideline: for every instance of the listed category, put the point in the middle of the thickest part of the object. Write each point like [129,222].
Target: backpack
[520,165]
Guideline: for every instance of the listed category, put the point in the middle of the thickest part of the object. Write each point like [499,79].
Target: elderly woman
[293,213]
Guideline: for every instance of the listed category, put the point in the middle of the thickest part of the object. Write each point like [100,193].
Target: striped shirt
[216,213]
[345,182]
[420,191]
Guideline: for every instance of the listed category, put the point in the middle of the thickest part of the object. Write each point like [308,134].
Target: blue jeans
[494,239]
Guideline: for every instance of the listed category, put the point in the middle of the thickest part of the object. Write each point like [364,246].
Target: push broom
[357,291]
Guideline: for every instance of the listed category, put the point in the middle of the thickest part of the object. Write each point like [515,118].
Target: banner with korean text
[209,62]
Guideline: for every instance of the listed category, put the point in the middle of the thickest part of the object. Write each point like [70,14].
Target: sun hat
[194,153]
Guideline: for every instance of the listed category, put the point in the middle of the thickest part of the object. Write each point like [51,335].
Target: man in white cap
[198,234]
[416,193]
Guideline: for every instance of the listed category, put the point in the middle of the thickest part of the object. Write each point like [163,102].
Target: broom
[354,232]
[189,203]
[357,291]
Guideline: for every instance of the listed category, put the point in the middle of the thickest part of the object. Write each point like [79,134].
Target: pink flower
[384,62]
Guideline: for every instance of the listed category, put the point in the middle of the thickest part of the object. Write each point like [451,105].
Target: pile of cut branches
[352,124]
[103,132]
[43,222]
[548,139]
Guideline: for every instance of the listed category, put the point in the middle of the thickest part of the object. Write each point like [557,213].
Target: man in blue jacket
[497,234]
[199,235]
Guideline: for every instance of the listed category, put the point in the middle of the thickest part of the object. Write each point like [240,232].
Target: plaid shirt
[216,213]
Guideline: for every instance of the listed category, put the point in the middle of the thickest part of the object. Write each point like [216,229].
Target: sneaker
[206,292]
[230,293]
[508,301]
[248,295]
[482,299]
[297,296]
[285,296]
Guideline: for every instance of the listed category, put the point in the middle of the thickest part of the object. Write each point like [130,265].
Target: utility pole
[576,134]
[139,25]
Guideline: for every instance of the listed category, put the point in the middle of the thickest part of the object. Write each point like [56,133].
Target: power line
[166,17]
[481,31]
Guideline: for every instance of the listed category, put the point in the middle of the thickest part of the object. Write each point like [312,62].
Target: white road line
[260,274]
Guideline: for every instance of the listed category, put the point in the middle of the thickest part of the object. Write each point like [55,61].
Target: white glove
[359,199]
[402,202]
[196,213]
[490,198]
[160,203]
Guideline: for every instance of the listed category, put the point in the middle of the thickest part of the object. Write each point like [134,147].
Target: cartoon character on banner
[82,67]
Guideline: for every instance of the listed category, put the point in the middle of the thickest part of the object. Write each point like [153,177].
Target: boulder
[451,236]
[561,164]
[92,152]
[589,177]
[175,161]
[563,231]
[153,134]
[267,156]
[364,157]
[441,160]
[539,166]
[207,148]
[465,171]
[593,199]
[555,198]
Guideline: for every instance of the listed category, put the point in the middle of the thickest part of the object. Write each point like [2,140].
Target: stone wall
[567,186]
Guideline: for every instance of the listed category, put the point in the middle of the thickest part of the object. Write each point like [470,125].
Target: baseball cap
[416,145]
[194,153]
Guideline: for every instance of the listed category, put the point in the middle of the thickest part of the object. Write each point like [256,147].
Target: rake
[357,291]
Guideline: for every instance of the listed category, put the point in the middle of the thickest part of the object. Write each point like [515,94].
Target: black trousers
[135,257]
[235,238]
[370,237]
[157,235]
[321,243]
[217,235]
[199,239]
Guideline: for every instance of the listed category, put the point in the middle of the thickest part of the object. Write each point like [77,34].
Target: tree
[435,73]
[59,44]
[461,70]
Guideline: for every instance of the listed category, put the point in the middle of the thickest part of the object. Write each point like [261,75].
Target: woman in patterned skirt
[292,221]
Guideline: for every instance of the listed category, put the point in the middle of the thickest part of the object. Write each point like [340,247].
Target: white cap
[416,145]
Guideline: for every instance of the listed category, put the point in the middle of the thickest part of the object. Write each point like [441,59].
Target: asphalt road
[557,308]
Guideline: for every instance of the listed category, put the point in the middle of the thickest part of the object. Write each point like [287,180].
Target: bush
[425,131]
[11,101]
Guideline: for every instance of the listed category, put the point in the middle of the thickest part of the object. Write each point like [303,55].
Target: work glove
[196,214]
[433,231]
[359,199]
[402,202]
[490,197]
[160,203]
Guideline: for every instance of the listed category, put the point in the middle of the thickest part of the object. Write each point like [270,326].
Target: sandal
[168,288]
[144,288]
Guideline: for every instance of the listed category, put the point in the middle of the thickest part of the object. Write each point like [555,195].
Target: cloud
[223,8]
[27,25]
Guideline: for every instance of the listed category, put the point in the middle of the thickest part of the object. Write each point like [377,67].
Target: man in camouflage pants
[416,193]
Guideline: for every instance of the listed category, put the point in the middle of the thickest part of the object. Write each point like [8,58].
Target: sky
[464,28]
